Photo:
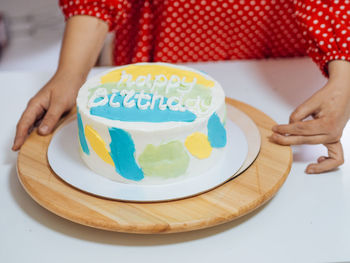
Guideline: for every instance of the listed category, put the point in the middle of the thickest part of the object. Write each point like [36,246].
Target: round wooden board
[255,186]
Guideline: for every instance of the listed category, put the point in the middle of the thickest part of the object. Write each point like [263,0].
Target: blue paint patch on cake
[216,132]
[134,114]
[82,139]
[122,153]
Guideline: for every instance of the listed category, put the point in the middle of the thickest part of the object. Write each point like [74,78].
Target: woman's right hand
[47,106]
[82,42]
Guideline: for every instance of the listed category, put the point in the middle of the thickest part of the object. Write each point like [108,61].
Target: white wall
[34,45]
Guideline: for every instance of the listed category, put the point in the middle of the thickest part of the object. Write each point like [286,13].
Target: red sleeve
[326,27]
[110,11]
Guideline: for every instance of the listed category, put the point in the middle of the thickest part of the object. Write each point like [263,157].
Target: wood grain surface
[237,197]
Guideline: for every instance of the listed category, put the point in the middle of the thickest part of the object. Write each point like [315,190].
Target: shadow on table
[8,156]
[293,80]
[58,224]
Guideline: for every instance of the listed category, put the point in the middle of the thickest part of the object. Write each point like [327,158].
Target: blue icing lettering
[82,138]
[122,153]
[137,115]
[216,132]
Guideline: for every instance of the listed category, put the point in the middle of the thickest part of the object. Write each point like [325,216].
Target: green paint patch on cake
[107,86]
[225,116]
[166,160]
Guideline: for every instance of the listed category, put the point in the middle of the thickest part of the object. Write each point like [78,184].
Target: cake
[151,123]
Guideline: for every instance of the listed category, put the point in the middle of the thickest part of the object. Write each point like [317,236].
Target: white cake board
[65,161]
[251,132]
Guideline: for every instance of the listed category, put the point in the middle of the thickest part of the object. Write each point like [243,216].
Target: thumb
[52,116]
[304,110]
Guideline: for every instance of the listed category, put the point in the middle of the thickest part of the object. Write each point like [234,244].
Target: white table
[307,221]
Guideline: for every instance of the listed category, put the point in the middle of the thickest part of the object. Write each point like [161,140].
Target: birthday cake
[151,123]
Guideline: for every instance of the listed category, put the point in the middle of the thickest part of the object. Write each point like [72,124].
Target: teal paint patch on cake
[165,160]
[122,153]
[216,132]
[82,139]
[134,114]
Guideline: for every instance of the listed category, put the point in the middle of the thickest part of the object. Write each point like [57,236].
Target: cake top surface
[153,93]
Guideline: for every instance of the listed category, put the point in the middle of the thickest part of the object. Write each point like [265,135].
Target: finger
[321,159]
[297,139]
[311,127]
[52,116]
[335,158]
[27,120]
[304,110]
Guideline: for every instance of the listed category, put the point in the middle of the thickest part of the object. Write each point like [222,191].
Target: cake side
[151,123]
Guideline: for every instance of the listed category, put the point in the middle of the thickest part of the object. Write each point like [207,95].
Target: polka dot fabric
[326,26]
[203,30]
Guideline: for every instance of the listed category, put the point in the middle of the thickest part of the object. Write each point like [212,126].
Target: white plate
[251,132]
[64,159]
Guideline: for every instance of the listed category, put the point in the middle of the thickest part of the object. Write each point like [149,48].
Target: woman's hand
[82,42]
[47,106]
[330,110]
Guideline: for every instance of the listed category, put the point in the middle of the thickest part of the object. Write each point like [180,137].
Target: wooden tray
[251,189]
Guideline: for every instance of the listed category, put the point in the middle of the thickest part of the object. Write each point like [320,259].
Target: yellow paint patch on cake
[97,144]
[198,145]
[156,69]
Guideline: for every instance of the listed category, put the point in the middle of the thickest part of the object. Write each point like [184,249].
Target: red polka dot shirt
[204,30]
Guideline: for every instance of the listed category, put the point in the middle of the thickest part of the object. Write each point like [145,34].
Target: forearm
[339,70]
[82,42]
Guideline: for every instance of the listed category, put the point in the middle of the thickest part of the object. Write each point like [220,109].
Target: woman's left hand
[330,110]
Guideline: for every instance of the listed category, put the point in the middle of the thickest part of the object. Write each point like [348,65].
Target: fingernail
[44,129]
[274,128]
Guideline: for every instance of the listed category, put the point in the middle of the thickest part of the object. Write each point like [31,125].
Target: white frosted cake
[151,123]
